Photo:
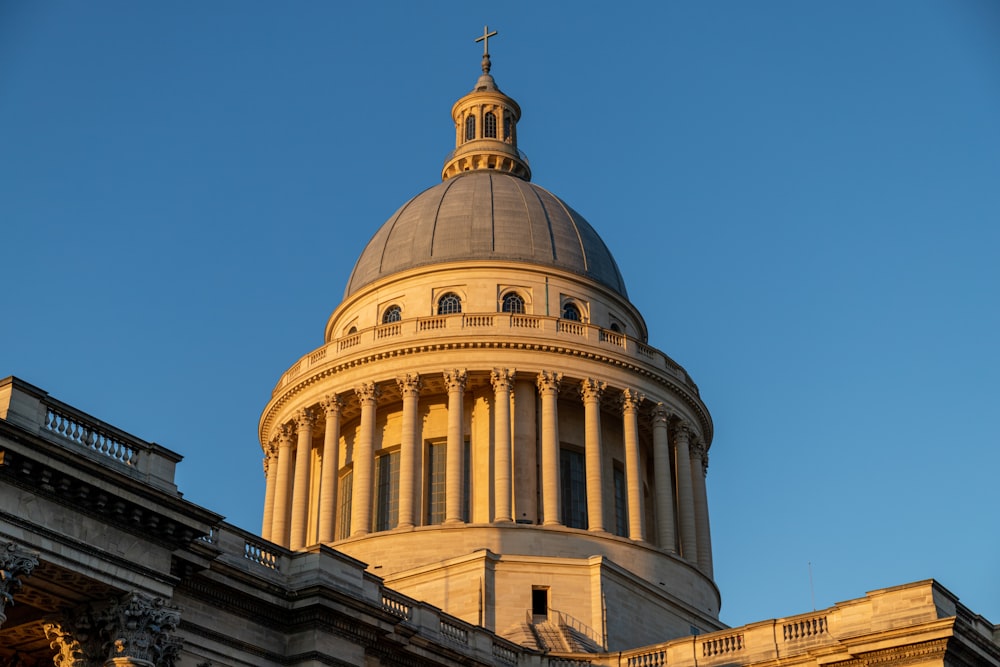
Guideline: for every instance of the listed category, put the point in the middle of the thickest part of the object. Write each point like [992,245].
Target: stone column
[270,476]
[282,487]
[364,461]
[134,631]
[300,489]
[455,454]
[409,448]
[592,391]
[631,399]
[685,493]
[699,469]
[15,563]
[663,477]
[548,389]
[328,472]
[503,383]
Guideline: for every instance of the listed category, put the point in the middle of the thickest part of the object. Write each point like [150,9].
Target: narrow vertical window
[621,506]
[386,491]
[573,486]
[539,602]
[436,463]
[513,303]
[449,303]
[470,128]
[467,482]
[490,125]
[508,127]
[346,487]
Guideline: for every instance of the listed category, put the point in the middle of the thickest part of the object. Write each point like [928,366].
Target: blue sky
[803,199]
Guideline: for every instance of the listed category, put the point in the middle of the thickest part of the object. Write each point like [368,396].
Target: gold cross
[485,39]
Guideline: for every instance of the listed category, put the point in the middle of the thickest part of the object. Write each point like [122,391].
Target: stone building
[485,463]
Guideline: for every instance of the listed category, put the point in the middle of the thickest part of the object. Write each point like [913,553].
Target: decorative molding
[332,405]
[304,419]
[139,626]
[683,390]
[660,415]
[15,563]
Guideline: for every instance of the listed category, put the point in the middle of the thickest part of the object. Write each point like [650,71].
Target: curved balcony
[508,327]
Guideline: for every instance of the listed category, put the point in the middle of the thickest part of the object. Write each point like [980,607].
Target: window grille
[449,303]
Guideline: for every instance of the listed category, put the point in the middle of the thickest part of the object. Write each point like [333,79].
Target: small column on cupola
[486,128]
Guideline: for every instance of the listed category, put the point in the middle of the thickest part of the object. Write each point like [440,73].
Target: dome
[486,215]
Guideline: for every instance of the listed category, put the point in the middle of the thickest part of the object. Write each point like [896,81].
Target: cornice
[302,383]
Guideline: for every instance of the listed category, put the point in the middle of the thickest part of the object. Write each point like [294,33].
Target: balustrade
[454,632]
[91,436]
[722,645]
[804,628]
[499,322]
[258,553]
[656,658]
[396,606]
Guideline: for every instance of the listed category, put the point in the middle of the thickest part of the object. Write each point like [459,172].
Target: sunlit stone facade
[486,424]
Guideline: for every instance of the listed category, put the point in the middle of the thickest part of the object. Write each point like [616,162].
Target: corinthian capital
[15,563]
[139,628]
[660,416]
[549,382]
[304,419]
[331,405]
[631,400]
[592,390]
[455,379]
[502,379]
[409,385]
[367,392]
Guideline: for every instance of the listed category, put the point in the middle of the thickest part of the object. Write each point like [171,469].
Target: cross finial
[485,39]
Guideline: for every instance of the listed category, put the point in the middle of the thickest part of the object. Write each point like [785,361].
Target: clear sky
[803,198]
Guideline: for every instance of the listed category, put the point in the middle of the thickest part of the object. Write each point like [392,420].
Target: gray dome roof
[483,215]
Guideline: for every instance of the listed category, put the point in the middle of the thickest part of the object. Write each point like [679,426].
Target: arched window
[392,314]
[490,125]
[571,312]
[614,327]
[512,303]
[352,331]
[470,128]
[449,303]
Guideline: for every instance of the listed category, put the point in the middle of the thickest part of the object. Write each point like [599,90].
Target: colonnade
[678,458]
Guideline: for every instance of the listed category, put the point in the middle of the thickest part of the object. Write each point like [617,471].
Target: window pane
[571,312]
[573,483]
[346,492]
[387,491]
[470,128]
[435,483]
[449,303]
[513,303]
[621,506]
[392,314]
[490,125]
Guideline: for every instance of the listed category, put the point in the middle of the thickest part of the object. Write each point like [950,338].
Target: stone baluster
[685,492]
[300,489]
[455,455]
[409,448]
[503,384]
[664,477]
[548,389]
[332,406]
[631,399]
[592,391]
[270,477]
[364,460]
[15,564]
[282,487]
[699,469]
